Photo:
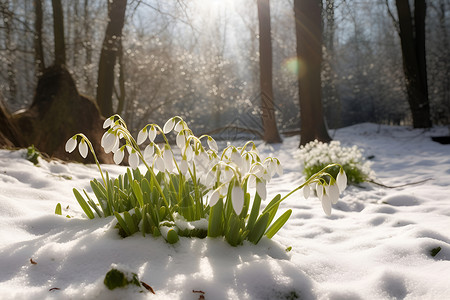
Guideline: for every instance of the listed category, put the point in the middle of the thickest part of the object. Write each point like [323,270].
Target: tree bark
[412,39]
[58,31]
[110,48]
[38,48]
[308,28]
[271,134]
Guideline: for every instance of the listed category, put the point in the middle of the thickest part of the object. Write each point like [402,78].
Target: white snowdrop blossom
[333,193]
[118,155]
[109,141]
[83,148]
[133,159]
[178,127]
[142,136]
[159,164]
[326,204]
[152,133]
[319,191]
[169,126]
[108,122]
[71,144]
[261,189]
[237,198]
[341,180]
[148,151]
[212,144]
[306,191]
[215,196]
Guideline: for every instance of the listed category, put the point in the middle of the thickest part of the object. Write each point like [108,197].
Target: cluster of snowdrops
[198,192]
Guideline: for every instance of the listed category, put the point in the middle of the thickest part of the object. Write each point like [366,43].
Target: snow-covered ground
[376,244]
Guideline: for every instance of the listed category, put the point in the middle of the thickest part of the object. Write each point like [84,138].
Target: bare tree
[108,56]
[38,49]
[58,31]
[411,29]
[308,28]
[265,63]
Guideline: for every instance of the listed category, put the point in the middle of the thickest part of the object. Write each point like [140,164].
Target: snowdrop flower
[184,167]
[237,198]
[212,144]
[319,191]
[152,133]
[118,155]
[109,141]
[108,122]
[159,164]
[169,125]
[341,180]
[71,144]
[148,151]
[306,191]
[236,157]
[133,158]
[326,204]
[168,159]
[261,189]
[181,139]
[333,193]
[178,127]
[83,148]
[215,196]
[142,136]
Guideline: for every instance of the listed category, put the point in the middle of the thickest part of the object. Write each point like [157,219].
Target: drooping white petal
[159,163]
[333,193]
[109,142]
[83,148]
[279,168]
[212,144]
[326,204]
[168,126]
[306,191]
[108,122]
[148,152]
[133,160]
[215,196]
[183,166]
[341,180]
[236,158]
[118,155]
[71,144]
[168,160]
[188,152]
[178,127]
[142,136]
[181,140]
[261,189]
[319,191]
[152,133]
[237,198]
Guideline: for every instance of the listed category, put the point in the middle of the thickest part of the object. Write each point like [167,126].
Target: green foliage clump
[118,279]
[204,193]
[317,155]
[33,155]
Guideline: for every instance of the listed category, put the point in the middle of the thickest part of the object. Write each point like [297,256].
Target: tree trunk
[58,31]
[265,63]
[38,49]
[7,16]
[110,48]
[412,39]
[308,28]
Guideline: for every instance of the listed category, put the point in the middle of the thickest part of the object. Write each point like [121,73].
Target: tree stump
[57,113]
[9,134]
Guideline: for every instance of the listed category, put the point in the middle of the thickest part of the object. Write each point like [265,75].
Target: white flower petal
[178,127]
[306,191]
[341,180]
[118,156]
[159,163]
[326,204]
[71,144]
[108,122]
[183,166]
[236,158]
[148,152]
[109,142]
[168,160]
[215,196]
[152,133]
[279,168]
[319,190]
[142,136]
[212,144]
[237,198]
[333,193]
[261,189]
[133,160]
[83,148]
[181,140]
[168,126]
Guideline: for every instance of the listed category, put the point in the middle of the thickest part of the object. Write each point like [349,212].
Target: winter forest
[224,149]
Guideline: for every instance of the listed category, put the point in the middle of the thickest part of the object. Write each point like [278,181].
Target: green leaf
[273,229]
[122,223]
[87,210]
[258,230]
[93,205]
[130,222]
[215,222]
[254,213]
[58,210]
[172,236]
[232,233]
[138,192]
[272,203]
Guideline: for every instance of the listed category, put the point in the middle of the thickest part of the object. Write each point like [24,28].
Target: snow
[375,245]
